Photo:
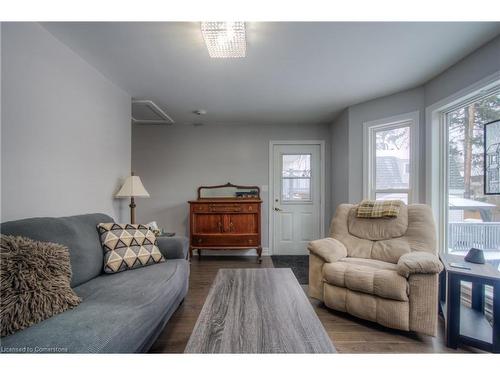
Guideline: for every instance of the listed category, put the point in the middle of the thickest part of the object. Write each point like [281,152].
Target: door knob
[277,209]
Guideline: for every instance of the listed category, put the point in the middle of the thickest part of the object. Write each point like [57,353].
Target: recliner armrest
[329,249]
[418,262]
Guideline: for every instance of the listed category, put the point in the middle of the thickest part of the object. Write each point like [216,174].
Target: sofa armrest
[419,262]
[329,249]
[173,247]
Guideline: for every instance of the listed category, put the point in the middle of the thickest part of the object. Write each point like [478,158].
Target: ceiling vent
[146,112]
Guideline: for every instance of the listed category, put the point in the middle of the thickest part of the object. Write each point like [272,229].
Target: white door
[296,205]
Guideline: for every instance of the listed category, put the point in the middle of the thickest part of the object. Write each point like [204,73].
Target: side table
[469,325]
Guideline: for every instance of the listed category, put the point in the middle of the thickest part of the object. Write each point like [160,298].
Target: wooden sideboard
[225,223]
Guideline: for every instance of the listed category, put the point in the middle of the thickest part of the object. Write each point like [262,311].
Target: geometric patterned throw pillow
[128,246]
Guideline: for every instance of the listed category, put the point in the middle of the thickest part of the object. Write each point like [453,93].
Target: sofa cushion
[378,229]
[128,246]
[34,282]
[175,247]
[373,277]
[78,233]
[118,313]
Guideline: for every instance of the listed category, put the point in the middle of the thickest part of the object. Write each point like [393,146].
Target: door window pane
[296,177]
[298,165]
[296,189]
[392,158]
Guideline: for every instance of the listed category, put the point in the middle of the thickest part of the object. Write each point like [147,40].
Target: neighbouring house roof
[389,176]
[388,173]
[458,203]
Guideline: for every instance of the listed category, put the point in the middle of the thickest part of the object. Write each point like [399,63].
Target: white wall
[173,161]
[66,141]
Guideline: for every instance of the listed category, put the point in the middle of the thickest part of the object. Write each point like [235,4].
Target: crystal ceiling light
[224,39]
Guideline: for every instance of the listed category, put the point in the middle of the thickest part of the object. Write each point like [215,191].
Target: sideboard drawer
[225,241]
[200,207]
[227,207]
[250,207]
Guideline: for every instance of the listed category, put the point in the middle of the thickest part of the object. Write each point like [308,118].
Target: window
[390,160]
[296,177]
[473,218]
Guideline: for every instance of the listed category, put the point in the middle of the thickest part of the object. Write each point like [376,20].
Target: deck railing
[463,235]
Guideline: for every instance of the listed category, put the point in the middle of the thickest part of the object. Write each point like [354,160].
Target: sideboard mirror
[229,191]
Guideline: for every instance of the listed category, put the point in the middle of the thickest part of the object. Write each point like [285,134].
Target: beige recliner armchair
[383,270]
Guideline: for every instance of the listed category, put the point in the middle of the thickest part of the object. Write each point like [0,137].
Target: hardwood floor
[348,334]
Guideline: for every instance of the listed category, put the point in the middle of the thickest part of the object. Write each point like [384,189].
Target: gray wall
[480,64]
[347,141]
[400,103]
[339,130]
[66,141]
[173,161]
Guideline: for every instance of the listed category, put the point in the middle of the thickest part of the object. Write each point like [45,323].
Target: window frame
[436,165]
[370,129]
[444,141]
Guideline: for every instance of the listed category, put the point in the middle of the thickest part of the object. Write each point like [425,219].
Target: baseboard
[250,252]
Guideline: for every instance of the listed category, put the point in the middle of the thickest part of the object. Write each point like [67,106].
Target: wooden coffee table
[258,311]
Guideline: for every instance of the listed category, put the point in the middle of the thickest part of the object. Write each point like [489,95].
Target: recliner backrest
[385,239]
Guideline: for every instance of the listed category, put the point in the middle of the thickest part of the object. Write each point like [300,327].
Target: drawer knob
[199,240]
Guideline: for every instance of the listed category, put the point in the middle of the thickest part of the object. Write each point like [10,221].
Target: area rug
[298,263]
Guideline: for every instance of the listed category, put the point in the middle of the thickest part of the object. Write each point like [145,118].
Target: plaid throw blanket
[377,209]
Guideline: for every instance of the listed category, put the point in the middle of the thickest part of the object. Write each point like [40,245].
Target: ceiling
[294,72]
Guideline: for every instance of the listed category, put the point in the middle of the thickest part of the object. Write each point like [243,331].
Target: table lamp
[132,187]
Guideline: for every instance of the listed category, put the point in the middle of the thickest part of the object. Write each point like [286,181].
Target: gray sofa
[119,313]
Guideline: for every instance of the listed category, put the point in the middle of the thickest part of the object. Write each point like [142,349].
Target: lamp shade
[132,187]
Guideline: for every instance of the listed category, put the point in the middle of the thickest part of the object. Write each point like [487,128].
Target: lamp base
[132,210]
[475,256]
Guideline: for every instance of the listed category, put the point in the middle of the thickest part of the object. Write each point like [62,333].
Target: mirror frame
[229,185]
